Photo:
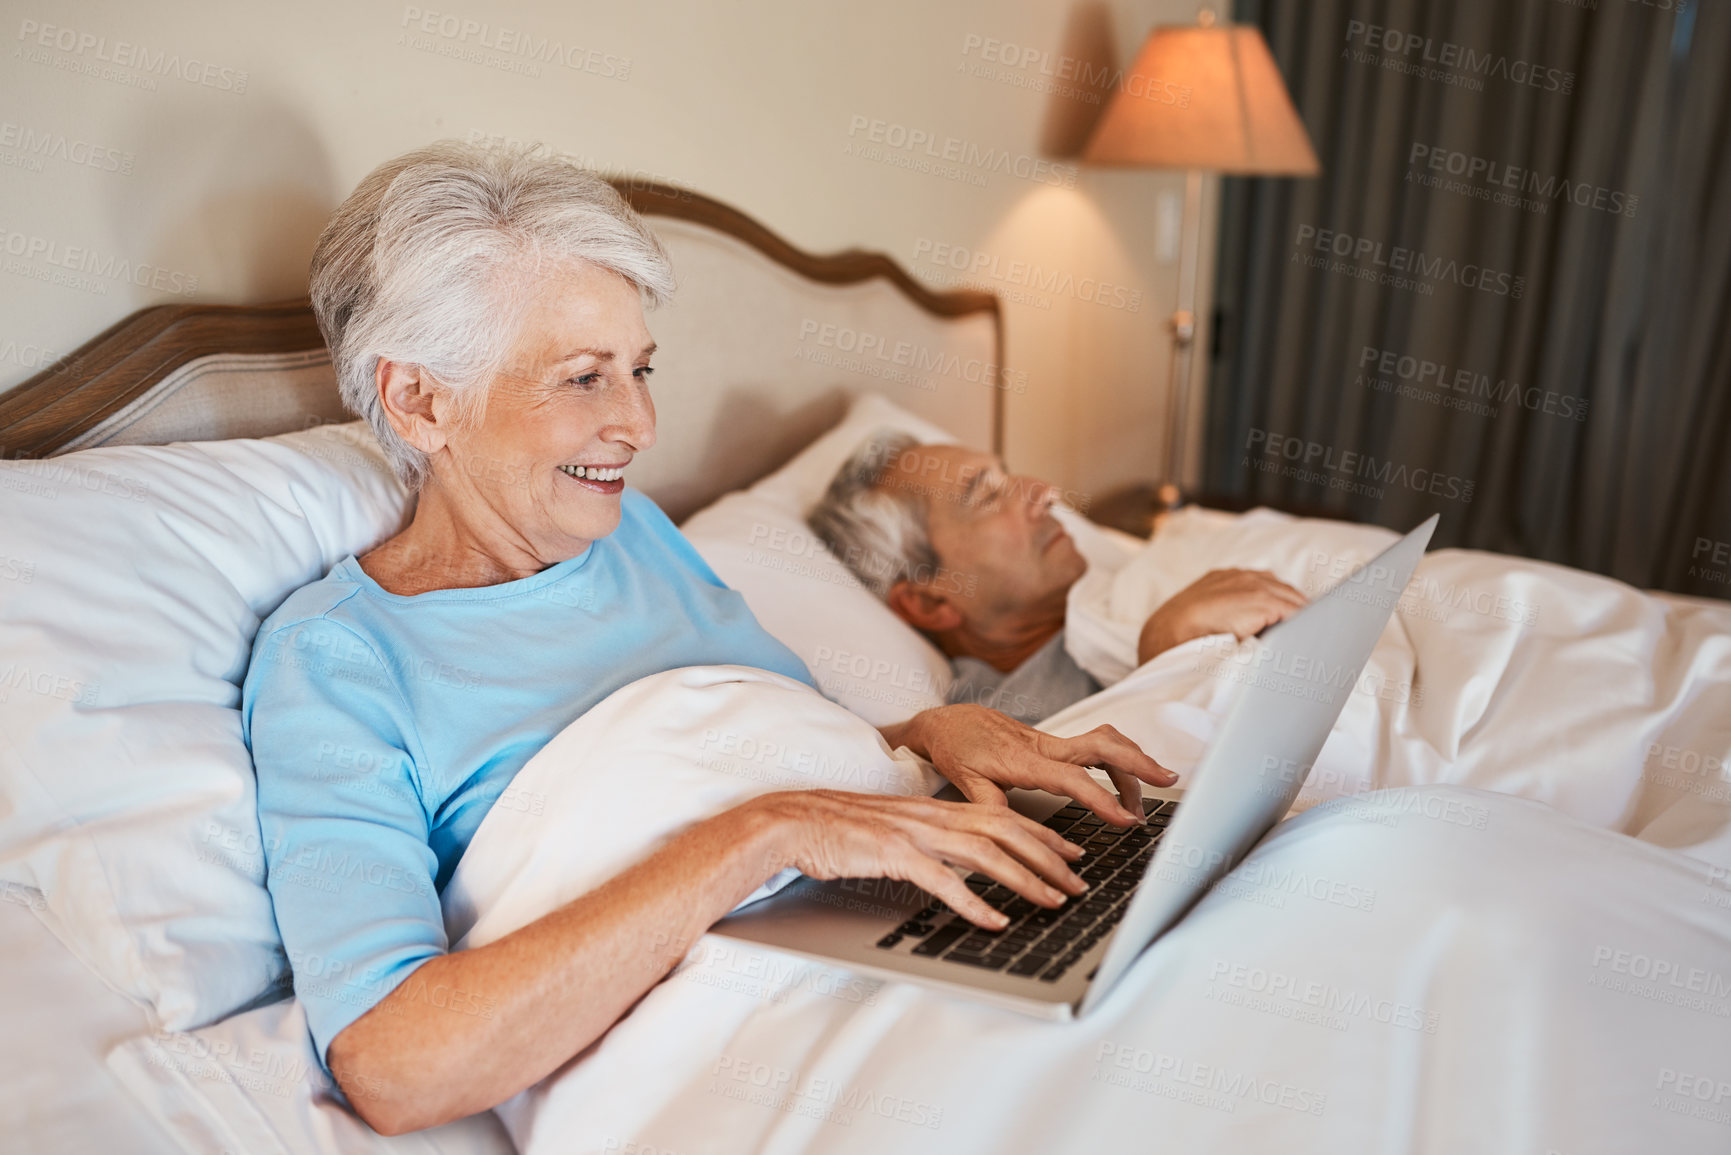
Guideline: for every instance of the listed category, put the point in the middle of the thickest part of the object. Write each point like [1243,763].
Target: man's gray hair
[878,532]
[429,260]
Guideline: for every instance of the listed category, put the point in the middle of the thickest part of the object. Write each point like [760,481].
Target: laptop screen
[1294,681]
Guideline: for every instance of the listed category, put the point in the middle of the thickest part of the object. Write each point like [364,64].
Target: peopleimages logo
[979,264]
[1450,62]
[1398,266]
[29,354]
[865,132]
[813,1097]
[1324,996]
[1338,469]
[873,353]
[89,53]
[89,266]
[1061,74]
[1717,566]
[1508,184]
[24,146]
[1459,388]
[516,49]
[1206,1085]
[1663,973]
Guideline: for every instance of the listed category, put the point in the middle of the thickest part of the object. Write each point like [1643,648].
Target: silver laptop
[1061,963]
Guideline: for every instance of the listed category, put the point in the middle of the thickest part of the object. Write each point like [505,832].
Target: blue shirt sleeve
[344,829]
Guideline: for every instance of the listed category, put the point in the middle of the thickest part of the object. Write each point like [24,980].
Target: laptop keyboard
[1038,942]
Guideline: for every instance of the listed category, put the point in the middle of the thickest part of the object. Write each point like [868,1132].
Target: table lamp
[1204,98]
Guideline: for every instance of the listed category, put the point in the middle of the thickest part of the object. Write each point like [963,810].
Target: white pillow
[860,653]
[756,539]
[139,575]
[801,482]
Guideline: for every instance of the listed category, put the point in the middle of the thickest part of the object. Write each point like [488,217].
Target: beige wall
[186,151]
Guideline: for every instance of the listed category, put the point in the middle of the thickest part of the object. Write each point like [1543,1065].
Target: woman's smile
[607,479]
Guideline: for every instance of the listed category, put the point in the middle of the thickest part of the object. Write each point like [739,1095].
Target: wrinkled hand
[832,834]
[983,752]
[1241,602]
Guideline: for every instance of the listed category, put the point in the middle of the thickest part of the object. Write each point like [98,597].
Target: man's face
[993,532]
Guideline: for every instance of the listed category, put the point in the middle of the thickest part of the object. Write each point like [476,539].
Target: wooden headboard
[761,349]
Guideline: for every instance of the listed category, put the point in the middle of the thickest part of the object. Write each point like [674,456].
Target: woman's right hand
[556,985]
[831,834]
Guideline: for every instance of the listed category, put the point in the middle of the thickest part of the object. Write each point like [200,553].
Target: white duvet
[1427,969]
[1610,704]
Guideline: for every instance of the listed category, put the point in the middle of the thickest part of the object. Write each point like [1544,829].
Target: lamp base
[1137,509]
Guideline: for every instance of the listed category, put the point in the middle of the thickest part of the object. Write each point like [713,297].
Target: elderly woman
[485,313]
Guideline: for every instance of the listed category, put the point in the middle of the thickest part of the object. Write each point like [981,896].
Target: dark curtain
[1580,414]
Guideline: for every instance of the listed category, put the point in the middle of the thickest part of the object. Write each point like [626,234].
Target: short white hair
[428,259]
[879,532]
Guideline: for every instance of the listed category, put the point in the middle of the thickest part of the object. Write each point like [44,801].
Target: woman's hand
[830,834]
[1240,602]
[983,752]
[556,985]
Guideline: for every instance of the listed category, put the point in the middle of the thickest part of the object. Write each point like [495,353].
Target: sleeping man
[972,557]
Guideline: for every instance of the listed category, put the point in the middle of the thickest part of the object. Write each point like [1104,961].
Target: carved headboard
[760,350]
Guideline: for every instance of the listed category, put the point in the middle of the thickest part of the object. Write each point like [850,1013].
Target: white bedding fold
[643,764]
[1517,676]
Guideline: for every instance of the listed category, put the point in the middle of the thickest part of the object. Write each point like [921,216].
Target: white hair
[429,260]
[879,533]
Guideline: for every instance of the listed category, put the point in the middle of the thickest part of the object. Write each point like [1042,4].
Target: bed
[780,332]
[1459,1022]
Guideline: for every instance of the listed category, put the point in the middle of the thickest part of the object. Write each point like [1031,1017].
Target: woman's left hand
[983,752]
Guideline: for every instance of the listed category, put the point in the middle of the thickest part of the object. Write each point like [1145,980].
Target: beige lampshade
[1206,98]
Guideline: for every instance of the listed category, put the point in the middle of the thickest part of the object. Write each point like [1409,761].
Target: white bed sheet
[60,1020]
[251,1084]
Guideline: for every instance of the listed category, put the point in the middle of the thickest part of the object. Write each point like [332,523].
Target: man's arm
[1241,602]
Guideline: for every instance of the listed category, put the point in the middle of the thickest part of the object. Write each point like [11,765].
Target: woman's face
[573,398]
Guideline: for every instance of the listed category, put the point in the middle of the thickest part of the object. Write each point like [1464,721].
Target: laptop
[1060,964]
